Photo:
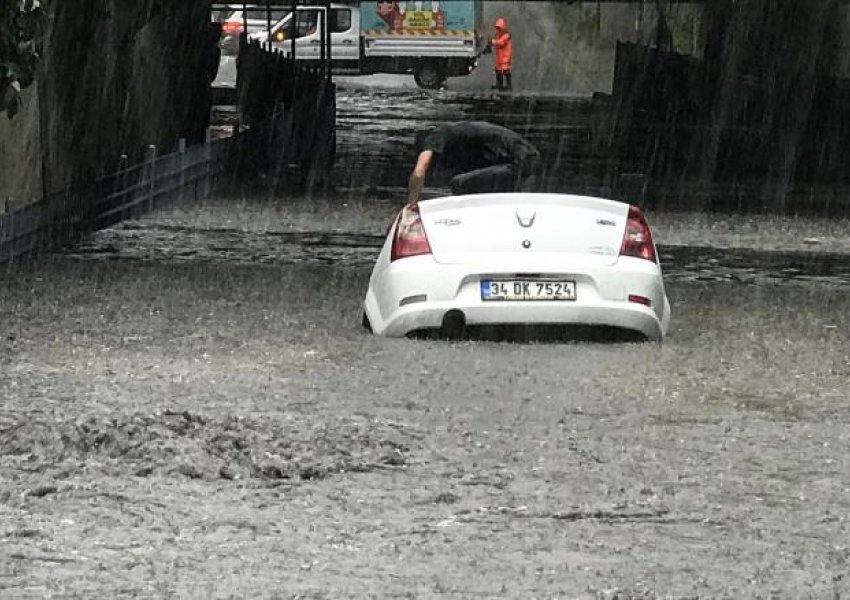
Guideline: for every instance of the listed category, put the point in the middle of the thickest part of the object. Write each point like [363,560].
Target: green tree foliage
[20,48]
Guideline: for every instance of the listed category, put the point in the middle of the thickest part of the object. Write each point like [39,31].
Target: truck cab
[307,31]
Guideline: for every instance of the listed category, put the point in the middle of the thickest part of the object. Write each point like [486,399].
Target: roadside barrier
[156,182]
[289,135]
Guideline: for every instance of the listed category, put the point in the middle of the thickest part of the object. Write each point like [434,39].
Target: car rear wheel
[454,325]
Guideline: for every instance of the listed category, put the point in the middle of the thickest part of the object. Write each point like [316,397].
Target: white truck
[431,40]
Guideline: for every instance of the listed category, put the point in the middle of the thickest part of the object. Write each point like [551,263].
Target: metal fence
[289,137]
[157,182]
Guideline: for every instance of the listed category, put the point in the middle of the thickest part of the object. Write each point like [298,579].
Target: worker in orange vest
[501,43]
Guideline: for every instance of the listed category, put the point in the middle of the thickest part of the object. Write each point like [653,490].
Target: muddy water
[190,408]
[203,424]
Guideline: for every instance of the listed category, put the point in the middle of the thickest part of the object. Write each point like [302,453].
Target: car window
[340,20]
[260,14]
[307,23]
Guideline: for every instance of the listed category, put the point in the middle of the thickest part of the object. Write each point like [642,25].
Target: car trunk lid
[515,227]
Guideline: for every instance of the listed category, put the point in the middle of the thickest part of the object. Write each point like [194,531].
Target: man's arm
[417,177]
[501,40]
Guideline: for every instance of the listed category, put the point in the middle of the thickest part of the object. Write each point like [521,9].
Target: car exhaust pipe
[454,324]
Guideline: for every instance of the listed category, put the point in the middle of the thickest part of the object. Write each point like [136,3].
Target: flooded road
[350,250]
[191,408]
[172,425]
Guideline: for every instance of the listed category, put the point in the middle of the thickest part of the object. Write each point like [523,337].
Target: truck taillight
[409,238]
[637,239]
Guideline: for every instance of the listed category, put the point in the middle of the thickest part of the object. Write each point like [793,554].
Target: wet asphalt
[191,408]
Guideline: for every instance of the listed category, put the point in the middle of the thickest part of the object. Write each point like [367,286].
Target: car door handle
[315,42]
[348,42]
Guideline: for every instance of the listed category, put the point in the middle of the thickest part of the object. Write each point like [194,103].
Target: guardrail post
[208,163]
[270,142]
[181,148]
[121,194]
[278,150]
[10,231]
[150,161]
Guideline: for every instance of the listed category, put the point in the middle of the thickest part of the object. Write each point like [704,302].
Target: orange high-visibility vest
[504,49]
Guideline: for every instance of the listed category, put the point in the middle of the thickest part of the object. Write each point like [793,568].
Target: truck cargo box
[447,28]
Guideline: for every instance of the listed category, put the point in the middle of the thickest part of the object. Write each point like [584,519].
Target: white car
[256,17]
[517,259]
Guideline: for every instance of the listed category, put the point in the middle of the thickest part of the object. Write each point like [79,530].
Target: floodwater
[191,408]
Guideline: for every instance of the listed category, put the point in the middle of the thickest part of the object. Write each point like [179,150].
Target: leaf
[21,25]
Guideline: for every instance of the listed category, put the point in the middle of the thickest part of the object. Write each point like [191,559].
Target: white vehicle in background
[430,40]
[233,19]
[517,259]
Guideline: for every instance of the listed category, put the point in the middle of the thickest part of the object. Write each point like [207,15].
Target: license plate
[527,289]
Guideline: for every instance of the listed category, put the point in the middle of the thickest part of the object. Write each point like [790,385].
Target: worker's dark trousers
[498,178]
[503,80]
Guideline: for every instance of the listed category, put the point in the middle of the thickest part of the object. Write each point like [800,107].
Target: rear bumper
[415,293]
[612,314]
[417,46]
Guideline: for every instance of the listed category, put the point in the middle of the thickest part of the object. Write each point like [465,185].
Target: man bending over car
[478,157]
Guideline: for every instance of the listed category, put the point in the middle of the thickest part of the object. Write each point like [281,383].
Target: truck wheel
[429,76]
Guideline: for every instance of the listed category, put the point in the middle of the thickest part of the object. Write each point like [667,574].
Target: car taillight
[231,27]
[409,238]
[637,239]
[638,299]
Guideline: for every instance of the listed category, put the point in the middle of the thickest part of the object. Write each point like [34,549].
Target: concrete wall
[116,76]
[842,44]
[119,75]
[20,154]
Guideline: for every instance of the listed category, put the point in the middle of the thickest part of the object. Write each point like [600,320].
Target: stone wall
[118,75]
[20,154]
